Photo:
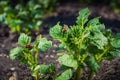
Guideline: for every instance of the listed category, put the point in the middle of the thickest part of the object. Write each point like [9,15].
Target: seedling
[28,54]
[86,44]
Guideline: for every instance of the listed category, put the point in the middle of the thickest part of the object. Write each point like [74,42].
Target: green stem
[78,74]
[36,55]
[36,62]
[84,57]
[32,62]
[90,75]
[37,77]
[105,51]
[29,58]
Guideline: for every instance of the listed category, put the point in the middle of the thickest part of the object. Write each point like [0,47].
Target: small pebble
[51,56]
[12,68]
[55,45]
[53,51]
[2,45]
[46,56]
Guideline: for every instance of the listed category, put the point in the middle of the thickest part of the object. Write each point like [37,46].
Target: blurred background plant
[116,5]
[24,16]
[112,3]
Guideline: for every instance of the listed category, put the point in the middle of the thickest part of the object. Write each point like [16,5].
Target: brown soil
[66,14]
[109,70]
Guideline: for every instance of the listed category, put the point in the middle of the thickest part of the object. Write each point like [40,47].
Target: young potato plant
[28,53]
[86,45]
[3,4]
[21,18]
[47,5]
[25,16]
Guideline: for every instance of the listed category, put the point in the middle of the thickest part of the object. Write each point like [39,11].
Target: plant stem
[36,56]
[90,75]
[36,62]
[105,51]
[78,74]
[37,77]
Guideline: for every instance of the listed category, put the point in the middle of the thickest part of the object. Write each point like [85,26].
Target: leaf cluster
[28,53]
[87,43]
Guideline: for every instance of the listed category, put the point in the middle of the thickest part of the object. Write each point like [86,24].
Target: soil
[66,14]
[109,70]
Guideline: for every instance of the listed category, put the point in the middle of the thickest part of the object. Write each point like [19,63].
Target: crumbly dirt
[66,14]
[109,70]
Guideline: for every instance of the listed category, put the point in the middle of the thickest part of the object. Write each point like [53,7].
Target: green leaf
[46,69]
[8,10]
[83,16]
[92,49]
[61,47]
[24,39]
[44,44]
[3,3]
[22,13]
[96,36]
[117,36]
[14,24]
[2,18]
[63,68]
[56,31]
[66,75]
[37,7]
[107,33]
[93,64]
[95,24]
[31,25]
[115,43]
[115,53]
[18,7]
[108,57]
[101,26]
[39,23]
[37,15]
[98,39]
[68,60]
[15,52]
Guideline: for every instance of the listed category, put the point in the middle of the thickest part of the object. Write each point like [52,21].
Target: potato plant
[24,16]
[27,53]
[47,5]
[86,45]
[21,18]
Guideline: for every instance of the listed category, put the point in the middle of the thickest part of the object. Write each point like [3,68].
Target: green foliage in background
[24,16]
[86,44]
[28,53]
[116,5]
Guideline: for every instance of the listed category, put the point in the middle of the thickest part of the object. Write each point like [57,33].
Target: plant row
[24,16]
